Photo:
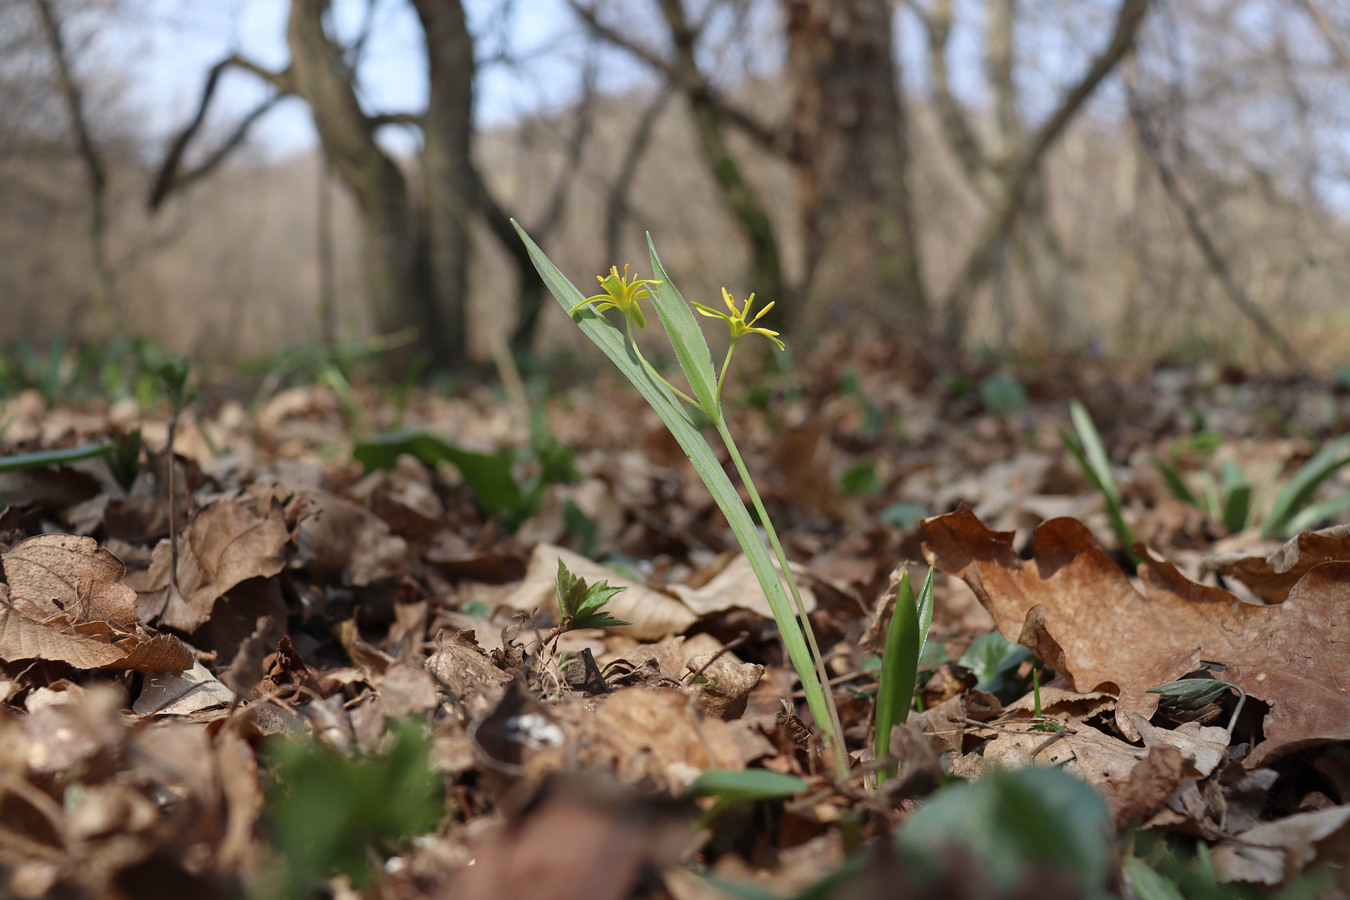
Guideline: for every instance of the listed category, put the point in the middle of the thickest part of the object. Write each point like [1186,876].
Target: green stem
[651,370]
[827,719]
[726,364]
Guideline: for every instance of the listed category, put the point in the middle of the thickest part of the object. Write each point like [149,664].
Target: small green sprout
[620,294]
[580,604]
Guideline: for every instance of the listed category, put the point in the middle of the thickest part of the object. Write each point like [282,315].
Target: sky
[172,45]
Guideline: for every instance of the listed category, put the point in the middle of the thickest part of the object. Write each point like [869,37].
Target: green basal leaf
[488,475]
[1093,448]
[686,337]
[613,343]
[43,458]
[738,786]
[1147,883]
[992,659]
[1175,483]
[1300,490]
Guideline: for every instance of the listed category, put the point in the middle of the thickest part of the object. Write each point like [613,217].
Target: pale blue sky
[173,45]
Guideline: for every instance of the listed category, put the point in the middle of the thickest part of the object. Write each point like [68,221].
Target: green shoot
[579,604]
[1301,489]
[905,640]
[1085,444]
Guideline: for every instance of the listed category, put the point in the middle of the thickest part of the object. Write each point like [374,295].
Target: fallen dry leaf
[1076,610]
[69,576]
[1273,852]
[227,544]
[1272,577]
[93,645]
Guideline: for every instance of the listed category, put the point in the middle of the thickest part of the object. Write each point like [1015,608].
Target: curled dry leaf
[1073,607]
[1272,577]
[227,544]
[736,587]
[1272,852]
[724,684]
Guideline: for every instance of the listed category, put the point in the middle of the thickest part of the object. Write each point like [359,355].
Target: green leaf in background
[42,459]
[1086,447]
[1001,395]
[1147,884]
[1301,489]
[993,659]
[488,475]
[1010,825]
[903,514]
[1237,496]
[860,480]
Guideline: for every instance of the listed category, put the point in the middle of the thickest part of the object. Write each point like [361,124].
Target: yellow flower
[620,294]
[737,320]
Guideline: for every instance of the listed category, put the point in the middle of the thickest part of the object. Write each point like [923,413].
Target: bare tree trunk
[394,248]
[102,293]
[447,171]
[850,151]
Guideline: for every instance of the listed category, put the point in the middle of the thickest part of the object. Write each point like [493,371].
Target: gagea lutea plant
[626,293]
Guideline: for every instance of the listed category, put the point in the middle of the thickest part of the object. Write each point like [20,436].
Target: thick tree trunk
[394,247]
[851,155]
[451,198]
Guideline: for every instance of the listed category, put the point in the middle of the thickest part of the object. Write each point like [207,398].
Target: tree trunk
[851,155]
[394,247]
[449,181]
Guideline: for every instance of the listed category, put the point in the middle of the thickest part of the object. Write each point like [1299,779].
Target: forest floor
[346,675]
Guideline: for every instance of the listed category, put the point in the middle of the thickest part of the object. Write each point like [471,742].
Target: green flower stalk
[623,292]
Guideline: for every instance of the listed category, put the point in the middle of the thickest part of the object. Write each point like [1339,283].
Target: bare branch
[1328,30]
[616,206]
[584,117]
[1129,18]
[955,127]
[413,120]
[1148,139]
[690,81]
[169,179]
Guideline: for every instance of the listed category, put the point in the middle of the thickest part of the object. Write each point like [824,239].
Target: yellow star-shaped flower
[620,294]
[738,320]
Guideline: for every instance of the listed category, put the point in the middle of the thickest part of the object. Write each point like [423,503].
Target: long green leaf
[44,458]
[691,347]
[1300,490]
[1093,449]
[899,669]
[613,344]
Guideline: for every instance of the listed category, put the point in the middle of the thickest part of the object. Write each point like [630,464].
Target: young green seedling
[905,640]
[676,409]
